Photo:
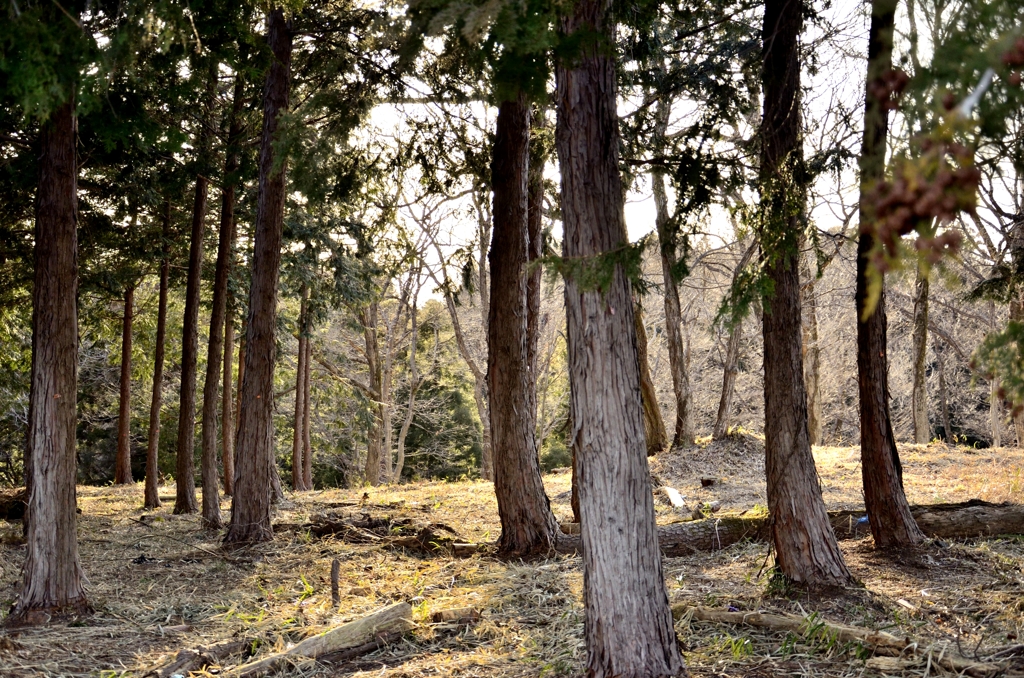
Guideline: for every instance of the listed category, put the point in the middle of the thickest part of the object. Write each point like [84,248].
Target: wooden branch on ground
[879,641]
[199,659]
[365,634]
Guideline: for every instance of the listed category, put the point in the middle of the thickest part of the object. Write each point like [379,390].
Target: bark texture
[887,507]
[811,354]
[805,547]
[255,464]
[123,459]
[628,626]
[919,396]
[53,580]
[654,424]
[153,442]
[527,524]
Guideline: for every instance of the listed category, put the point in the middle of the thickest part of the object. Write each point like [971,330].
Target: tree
[301,405]
[152,494]
[628,627]
[805,546]
[892,525]
[123,460]
[250,507]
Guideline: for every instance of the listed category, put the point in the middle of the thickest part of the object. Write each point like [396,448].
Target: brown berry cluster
[1014,59]
[888,87]
[928,190]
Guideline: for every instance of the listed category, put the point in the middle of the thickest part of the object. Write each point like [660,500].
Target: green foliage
[597,272]
[1001,356]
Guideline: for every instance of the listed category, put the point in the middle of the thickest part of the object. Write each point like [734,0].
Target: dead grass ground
[148,575]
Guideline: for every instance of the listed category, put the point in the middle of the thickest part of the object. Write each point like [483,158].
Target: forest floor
[160,584]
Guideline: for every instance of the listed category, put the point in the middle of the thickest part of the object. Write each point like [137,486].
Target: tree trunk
[805,547]
[368,318]
[812,361]
[684,433]
[628,626]
[1017,315]
[185,488]
[888,511]
[947,425]
[307,451]
[123,461]
[995,413]
[255,472]
[654,425]
[535,245]
[919,399]
[227,416]
[414,384]
[732,358]
[153,443]
[53,579]
[298,437]
[527,524]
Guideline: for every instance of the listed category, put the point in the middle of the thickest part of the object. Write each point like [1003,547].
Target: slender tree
[255,469]
[152,494]
[298,430]
[805,546]
[919,343]
[654,423]
[892,525]
[628,627]
[123,459]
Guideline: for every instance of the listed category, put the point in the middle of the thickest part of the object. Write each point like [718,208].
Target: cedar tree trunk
[628,627]
[123,460]
[53,579]
[527,524]
[227,415]
[535,249]
[153,442]
[805,546]
[255,465]
[919,397]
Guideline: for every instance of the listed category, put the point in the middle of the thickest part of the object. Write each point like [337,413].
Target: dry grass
[168,573]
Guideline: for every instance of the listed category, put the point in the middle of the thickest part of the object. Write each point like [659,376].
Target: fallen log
[366,633]
[901,652]
[199,659]
[965,520]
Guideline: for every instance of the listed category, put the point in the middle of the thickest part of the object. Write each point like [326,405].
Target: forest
[617,338]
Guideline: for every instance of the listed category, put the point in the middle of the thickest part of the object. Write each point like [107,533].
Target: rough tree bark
[628,626]
[892,525]
[185,483]
[919,397]
[811,354]
[255,465]
[805,547]
[298,439]
[732,359]
[123,460]
[53,579]
[153,442]
[684,432]
[527,524]
[654,424]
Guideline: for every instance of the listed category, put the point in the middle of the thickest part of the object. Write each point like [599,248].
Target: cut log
[199,659]
[367,632]
[907,652]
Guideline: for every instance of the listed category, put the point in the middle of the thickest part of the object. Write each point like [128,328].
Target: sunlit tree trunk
[654,424]
[123,460]
[919,341]
[805,546]
[628,628]
[255,472]
[53,581]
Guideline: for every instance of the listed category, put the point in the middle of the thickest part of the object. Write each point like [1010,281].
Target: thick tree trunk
[307,408]
[123,460]
[812,360]
[527,524]
[298,437]
[684,432]
[628,628]
[153,442]
[805,547]
[887,507]
[53,579]
[919,399]
[255,471]
[654,424]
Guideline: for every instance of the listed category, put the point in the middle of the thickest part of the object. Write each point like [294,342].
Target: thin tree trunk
[255,473]
[479,389]
[373,443]
[153,443]
[123,461]
[919,398]
[947,425]
[414,384]
[805,546]
[307,408]
[684,432]
[527,524]
[732,359]
[1017,315]
[995,414]
[888,511]
[185,488]
[298,437]
[628,627]
[812,360]
[53,579]
[654,425]
[227,416]
[535,244]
